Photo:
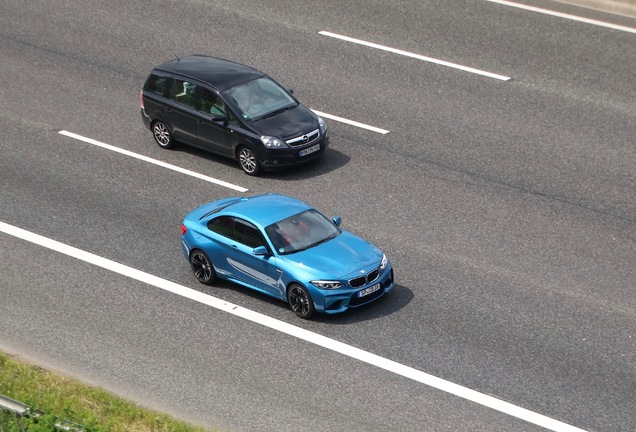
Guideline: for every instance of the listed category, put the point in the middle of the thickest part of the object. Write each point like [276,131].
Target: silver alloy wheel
[201,267]
[248,161]
[300,302]
[162,134]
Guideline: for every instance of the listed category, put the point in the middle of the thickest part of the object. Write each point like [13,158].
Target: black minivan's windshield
[302,231]
[259,98]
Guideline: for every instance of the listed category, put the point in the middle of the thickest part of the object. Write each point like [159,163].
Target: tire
[248,161]
[202,267]
[300,301]
[162,135]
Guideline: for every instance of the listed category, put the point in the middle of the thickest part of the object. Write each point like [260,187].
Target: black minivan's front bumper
[272,160]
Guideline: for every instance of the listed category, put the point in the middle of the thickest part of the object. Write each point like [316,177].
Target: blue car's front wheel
[300,301]
[202,267]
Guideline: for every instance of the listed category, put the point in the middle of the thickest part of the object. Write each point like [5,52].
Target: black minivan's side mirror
[219,118]
[337,220]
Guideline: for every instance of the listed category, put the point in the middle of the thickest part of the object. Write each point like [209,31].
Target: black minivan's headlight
[322,125]
[273,142]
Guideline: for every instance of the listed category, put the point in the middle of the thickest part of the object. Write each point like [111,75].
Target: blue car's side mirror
[337,220]
[260,250]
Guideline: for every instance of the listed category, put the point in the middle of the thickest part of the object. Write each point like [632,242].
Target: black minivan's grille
[363,280]
[304,139]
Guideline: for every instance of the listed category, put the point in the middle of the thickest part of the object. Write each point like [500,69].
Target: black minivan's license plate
[369,290]
[310,150]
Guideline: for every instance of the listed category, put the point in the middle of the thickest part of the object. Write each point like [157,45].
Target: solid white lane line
[566,16]
[153,161]
[416,56]
[351,122]
[281,326]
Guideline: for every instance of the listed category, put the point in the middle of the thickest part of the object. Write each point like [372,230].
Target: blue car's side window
[238,230]
[248,234]
[223,225]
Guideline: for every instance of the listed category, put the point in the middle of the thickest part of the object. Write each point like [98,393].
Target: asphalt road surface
[507,207]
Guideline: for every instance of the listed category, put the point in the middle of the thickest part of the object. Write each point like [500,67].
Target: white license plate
[310,150]
[369,290]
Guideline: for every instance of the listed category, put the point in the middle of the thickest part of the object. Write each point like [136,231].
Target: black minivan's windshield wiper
[278,111]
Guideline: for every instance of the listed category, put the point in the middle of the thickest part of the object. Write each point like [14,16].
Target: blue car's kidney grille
[363,280]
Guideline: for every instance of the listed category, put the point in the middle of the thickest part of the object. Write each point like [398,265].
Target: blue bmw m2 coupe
[285,248]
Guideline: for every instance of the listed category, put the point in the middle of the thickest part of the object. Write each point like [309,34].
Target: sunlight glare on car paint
[292,330]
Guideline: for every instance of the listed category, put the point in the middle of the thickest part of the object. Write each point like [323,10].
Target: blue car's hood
[295,121]
[337,258]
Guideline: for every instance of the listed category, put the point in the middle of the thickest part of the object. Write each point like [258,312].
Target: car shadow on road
[388,304]
[330,161]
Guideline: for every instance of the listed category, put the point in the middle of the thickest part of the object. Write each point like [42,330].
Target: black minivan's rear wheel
[162,135]
[248,161]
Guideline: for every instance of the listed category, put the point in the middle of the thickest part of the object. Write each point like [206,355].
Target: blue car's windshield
[259,98]
[302,231]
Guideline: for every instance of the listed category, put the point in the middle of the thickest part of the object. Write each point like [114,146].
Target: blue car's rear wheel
[202,267]
[300,301]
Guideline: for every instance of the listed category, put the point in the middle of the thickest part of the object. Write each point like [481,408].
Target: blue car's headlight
[322,284]
[273,142]
[384,262]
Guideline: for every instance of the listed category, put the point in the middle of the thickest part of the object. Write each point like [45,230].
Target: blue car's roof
[267,208]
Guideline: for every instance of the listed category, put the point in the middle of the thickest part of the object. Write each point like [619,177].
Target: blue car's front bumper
[336,301]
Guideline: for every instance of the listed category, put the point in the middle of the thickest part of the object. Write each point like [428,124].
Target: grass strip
[66,398]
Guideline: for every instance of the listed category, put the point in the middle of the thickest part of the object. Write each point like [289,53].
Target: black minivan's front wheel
[162,135]
[248,161]
[300,301]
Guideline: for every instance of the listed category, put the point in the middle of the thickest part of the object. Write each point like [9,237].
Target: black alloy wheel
[202,267]
[248,161]
[162,135]
[300,301]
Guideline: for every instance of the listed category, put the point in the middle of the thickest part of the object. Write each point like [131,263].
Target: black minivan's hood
[291,123]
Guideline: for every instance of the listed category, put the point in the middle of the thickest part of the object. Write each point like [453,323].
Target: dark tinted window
[210,102]
[237,229]
[248,234]
[223,225]
[160,85]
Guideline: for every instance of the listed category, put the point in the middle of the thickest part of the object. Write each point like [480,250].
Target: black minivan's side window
[210,102]
[184,93]
[160,85]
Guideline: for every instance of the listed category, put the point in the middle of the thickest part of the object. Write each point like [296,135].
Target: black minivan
[231,110]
